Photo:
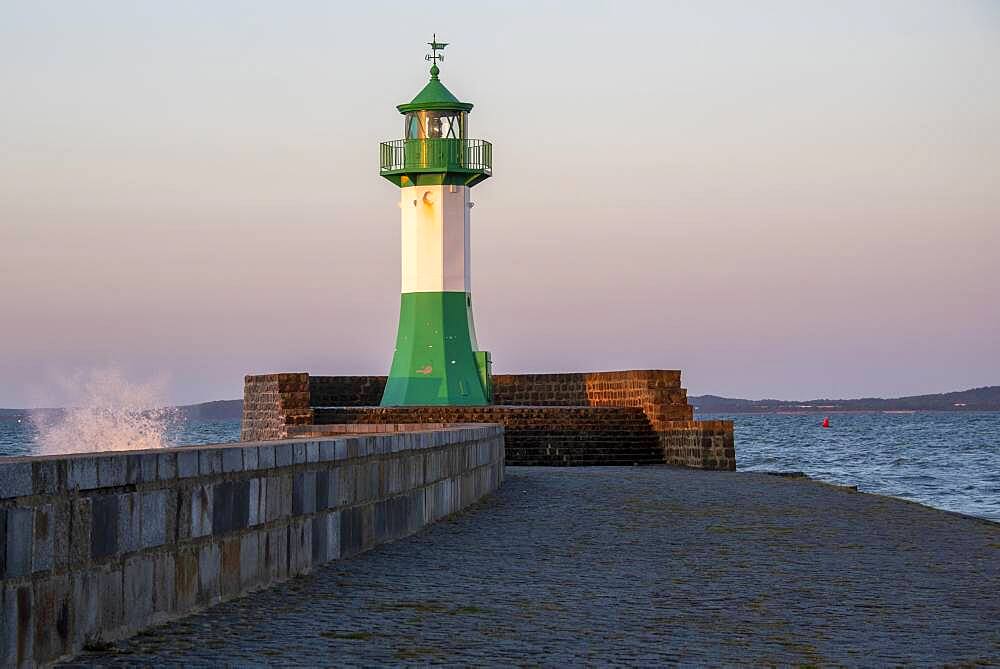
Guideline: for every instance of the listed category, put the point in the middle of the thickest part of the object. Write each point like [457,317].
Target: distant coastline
[215,410]
[986,398]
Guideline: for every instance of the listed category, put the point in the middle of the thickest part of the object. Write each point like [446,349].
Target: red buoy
[826,422]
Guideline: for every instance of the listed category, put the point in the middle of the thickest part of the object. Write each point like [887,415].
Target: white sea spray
[105,412]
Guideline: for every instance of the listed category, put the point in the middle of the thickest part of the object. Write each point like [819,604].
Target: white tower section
[435,237]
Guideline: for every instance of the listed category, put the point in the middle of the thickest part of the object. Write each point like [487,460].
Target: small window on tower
[450,127]
[435,125]
[413,127]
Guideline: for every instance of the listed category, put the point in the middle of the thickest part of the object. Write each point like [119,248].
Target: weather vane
[434,55]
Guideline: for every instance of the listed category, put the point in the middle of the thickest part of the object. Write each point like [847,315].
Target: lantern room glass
[436,125]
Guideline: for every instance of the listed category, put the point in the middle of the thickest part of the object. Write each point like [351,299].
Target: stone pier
[98,547]
[638,566]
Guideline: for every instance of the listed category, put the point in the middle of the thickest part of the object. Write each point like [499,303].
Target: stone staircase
[534,435]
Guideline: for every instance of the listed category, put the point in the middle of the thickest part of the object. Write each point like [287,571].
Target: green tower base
[435,363]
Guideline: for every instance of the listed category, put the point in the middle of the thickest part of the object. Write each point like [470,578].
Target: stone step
[582,461]
[515,440]
[648,442]
[514,455]
[584,454]
[572,435]
[552,436]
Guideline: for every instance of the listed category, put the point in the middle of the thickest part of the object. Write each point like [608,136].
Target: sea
[947,460]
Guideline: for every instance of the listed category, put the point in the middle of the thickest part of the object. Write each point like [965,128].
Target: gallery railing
[400,155]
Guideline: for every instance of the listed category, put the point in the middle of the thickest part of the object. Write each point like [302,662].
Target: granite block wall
[97,547]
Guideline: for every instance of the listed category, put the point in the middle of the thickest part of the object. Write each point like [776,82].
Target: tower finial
[435,56]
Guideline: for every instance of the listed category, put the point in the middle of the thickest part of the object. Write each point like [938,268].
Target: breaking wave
[105,412]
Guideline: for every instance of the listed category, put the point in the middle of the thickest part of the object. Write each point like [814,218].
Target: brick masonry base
[598,418]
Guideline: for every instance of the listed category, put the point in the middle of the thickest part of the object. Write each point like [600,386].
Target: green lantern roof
[435,95]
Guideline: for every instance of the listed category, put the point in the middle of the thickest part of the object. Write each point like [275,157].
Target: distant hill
[12,414]
[976,399]
[217,410]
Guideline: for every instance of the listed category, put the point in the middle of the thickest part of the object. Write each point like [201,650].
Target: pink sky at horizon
[791,200]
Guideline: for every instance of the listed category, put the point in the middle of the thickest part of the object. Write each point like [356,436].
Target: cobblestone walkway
[632,566]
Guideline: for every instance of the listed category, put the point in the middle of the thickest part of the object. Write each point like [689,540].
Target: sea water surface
[946,460]
[18,438]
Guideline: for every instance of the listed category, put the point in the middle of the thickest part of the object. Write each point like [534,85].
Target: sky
[785,199]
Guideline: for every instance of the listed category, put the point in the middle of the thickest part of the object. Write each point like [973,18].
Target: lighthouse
[435,166]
